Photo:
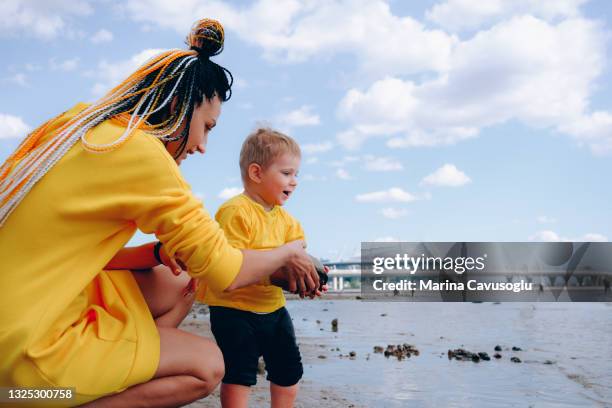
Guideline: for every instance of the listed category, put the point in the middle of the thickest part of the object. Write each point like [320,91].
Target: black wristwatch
[156,249]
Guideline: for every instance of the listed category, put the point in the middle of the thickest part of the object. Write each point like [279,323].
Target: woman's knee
[204,388]
[210,364]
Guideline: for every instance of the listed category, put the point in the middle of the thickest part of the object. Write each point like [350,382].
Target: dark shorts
[244,336]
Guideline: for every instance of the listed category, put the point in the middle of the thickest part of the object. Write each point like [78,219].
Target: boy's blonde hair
[263,146]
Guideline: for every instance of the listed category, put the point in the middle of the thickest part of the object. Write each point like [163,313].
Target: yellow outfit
[66,322]
[248,225]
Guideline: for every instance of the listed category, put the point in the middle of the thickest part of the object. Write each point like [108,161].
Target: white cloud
[394,194]
[594,237]
[344,161]
[293,31]
[66,65]
[110,74]
[229,192]
[392,106]
[317,147]
[312,160]
[535,62]
[32,67]
[433,137]
[343,174]
[551,236]
[42,19]
[386,239]
[102,36]
[369,162]
[594,130]
[447,176]
[312,177]
[240,82]
[302,116]
[456,15]
[394,213]
[527,69]
[19,78]
[390,98]
[544,219]
[351,139]
[12,126]
[545,236]
[372,163]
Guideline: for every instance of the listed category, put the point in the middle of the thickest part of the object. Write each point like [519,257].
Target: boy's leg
[235,395]
[282,357]
[283,397]
[234,331]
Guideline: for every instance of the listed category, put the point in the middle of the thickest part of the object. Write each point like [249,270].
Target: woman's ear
[255,172]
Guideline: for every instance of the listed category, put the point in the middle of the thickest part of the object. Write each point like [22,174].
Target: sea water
[566,352]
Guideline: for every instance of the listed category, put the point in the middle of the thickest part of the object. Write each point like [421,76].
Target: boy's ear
[255,172]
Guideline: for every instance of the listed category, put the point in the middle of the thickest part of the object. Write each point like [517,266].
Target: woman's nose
[201,149]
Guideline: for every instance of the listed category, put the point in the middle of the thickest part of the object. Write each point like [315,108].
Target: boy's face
[279,179]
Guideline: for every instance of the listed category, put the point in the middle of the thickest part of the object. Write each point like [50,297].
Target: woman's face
[204,118]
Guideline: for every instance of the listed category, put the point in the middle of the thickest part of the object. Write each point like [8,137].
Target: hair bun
[206,37]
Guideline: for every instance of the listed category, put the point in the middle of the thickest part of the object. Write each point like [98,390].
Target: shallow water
[576,337]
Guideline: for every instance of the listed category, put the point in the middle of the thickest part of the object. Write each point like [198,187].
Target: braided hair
[144,100]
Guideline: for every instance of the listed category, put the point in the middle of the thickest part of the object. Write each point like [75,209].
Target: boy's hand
[171,263]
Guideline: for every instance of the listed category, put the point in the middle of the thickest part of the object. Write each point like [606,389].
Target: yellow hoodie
[66,322]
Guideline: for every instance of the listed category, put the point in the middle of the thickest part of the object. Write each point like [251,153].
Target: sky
[451,120]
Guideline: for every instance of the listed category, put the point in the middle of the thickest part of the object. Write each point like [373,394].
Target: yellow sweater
[64,321]
[248,225]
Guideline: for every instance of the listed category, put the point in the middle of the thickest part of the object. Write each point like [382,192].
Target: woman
[73,194]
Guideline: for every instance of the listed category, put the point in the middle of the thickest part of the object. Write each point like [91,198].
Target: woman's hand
[171,263]
[280,278]
[301,274]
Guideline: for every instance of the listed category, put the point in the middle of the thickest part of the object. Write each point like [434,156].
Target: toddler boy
[252,321]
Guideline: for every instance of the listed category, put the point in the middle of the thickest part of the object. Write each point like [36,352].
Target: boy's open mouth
[287,193]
